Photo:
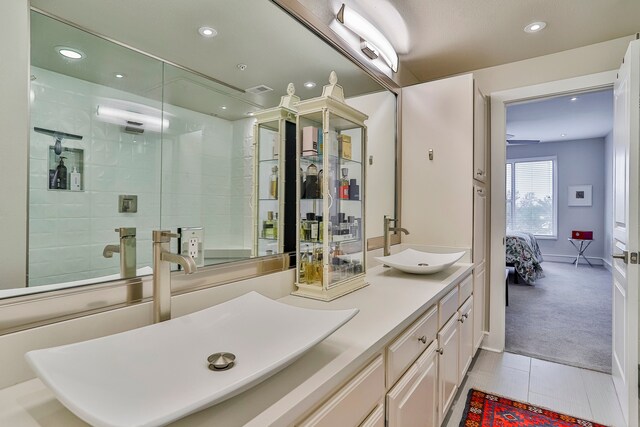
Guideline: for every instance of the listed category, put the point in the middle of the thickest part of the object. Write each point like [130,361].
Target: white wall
[381,144]
[582,61]
[14,122]
[578,162]
[437,195]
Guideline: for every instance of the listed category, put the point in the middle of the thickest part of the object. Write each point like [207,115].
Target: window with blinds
[531,196]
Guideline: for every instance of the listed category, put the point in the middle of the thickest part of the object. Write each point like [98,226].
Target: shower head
[58,136]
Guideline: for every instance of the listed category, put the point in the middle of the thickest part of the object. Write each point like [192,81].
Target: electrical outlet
[193,247]
[192,243]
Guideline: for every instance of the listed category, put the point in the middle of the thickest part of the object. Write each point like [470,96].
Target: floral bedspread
[524,253]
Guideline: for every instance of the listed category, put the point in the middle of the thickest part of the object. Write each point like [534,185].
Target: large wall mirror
[123,141]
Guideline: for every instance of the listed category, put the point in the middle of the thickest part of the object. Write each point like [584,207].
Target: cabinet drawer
[447,306]
[353,402]
[376,418]
[465,289]
[405,349]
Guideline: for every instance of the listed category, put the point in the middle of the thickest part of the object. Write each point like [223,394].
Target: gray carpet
[564,317]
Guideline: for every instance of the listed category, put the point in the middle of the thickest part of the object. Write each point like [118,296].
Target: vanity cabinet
[480,157]
[413,401]
[353,403]
[331,144]
[447,366]
[274,177]
[479,274]
[465,354]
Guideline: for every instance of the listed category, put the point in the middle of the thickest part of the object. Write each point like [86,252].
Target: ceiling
[437,38]
[590,115]
[434,38]
[275,48]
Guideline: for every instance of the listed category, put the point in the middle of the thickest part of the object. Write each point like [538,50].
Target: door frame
[495,339]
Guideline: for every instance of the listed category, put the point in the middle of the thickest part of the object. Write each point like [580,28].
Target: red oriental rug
[488,410]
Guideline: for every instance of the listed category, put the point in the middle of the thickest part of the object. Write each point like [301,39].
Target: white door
[625,233]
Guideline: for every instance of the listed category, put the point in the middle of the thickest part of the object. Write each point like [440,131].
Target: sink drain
[423,264]
[221,361]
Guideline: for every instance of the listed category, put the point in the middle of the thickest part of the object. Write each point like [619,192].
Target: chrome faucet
[162,260]
[126,249]
[387,229]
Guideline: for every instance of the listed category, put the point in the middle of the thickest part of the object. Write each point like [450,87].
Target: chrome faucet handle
[126,231]
[164,236]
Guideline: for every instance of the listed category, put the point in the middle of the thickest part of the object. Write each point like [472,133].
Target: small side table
[584,244]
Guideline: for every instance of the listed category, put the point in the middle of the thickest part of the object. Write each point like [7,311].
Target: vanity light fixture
[366,30]
[310,85]
[207,32]
[70,53]
[534,27]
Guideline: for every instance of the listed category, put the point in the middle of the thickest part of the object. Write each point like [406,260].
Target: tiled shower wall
[68,230]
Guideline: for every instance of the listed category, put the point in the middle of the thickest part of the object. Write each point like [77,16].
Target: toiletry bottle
[320,185]
[75,179]
[313,226]
[273,183]
[354,190]
[61,175]
[311,192]
[303,185]
[320,228]
[344,185]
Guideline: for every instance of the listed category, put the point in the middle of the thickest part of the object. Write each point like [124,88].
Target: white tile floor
[579,392]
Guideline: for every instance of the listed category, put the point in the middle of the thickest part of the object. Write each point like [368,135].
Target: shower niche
[66,170]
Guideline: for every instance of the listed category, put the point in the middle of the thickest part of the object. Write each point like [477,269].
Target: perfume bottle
[273,183]
[344,185]
[269,227]
[312,226]
[311,191]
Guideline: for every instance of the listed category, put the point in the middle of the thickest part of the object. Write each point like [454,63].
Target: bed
[523,253]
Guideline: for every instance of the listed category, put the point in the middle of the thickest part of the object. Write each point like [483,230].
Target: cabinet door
[478,306]
[479,135]
[413,400]
[479,223]
[447,366]
[465,355]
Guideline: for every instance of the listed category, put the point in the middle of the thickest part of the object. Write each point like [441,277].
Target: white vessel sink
[417,262]
[156,374]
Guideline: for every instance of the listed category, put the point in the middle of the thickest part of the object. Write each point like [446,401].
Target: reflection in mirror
[132,143]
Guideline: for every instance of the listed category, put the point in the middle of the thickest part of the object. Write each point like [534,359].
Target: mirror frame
[39,309]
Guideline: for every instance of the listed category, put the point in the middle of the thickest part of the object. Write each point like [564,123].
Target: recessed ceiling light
[69,53]
[207,32]
[242,67]
[224,107]
[563,135]
[120,76]
[310,85]
[250,113]
[534,27]
[575,98]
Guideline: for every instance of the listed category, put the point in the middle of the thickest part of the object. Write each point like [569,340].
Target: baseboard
[571,259]
[607,265]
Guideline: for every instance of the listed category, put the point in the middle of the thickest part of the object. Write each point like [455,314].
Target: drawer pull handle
[440,351]
[465,315]
[461,319]
[423,339]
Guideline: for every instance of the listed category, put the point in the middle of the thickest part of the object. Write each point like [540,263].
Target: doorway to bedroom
[558,204]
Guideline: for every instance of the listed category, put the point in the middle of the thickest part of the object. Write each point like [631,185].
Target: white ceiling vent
[259,90]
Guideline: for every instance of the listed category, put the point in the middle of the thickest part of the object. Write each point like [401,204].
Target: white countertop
[390,304]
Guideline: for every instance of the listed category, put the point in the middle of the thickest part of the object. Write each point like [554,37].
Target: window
[532,196]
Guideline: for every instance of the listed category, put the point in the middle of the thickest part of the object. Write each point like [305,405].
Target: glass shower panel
[95,137]
[207,168]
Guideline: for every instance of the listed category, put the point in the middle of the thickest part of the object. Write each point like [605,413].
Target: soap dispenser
[75,179]
[60,178]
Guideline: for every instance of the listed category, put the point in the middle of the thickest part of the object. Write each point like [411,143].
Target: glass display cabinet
[331,145]
[275,177]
